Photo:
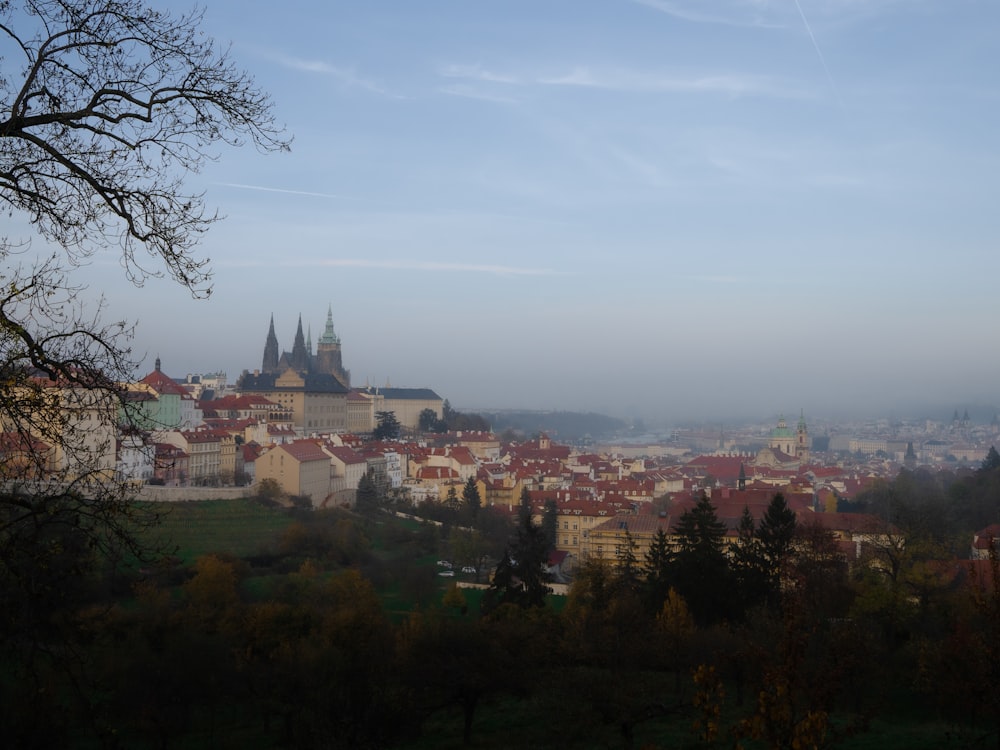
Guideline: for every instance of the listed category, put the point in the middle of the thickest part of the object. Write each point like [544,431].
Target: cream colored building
[210,453]
[347,467]
[76,429]
[317,402]
[300,468]
[604,540]
[361,409]
[407,403]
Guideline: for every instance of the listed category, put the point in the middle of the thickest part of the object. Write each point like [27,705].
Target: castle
[326,361]
[312,391]
[311,388]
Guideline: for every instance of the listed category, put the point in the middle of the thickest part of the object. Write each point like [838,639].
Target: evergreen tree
[992,460]
[776,533]
[628,564]
[700,567]
[387,426]
[656,571]
[366,499]
[470,494]
[777,530]
[522,574]
[427,420]
[748,563]
[550,523]
[524,508]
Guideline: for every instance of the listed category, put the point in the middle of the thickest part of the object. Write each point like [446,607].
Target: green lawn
[238,527]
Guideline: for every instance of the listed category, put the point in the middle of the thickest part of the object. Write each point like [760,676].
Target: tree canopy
[387,426]
[108,108]
[110,105]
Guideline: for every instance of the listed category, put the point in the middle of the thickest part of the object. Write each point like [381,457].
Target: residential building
[301,468]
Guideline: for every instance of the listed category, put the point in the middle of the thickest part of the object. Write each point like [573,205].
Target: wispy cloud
[497,86]
[773,14]
[347,76]
[727,14]
[470,92]
[714,279]
[647,171]
[476,72]
[819,52]
[639,81]
[410,265]
[265,189]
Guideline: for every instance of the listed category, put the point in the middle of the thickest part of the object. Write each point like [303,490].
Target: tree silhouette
[521,576]
[387,426]
[700,568]
[470,494]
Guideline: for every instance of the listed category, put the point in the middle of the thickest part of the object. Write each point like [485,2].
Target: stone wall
[155,494]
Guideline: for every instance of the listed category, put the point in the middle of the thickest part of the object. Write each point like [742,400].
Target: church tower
[802,441]
[328,354]
[271,355]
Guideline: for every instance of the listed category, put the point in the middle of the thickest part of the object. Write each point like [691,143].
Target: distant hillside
[564,426]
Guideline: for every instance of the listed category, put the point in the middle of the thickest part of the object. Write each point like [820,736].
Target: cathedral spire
[329,336]
[299,359]
[270,363]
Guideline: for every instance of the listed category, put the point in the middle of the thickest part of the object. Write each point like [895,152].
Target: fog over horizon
[666,210]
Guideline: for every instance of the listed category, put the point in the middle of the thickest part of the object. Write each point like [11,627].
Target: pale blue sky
[663,208]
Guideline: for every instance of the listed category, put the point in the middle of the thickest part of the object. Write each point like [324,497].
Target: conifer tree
[992,460]
[522,574]
[656,571]
[700,567]
[550,523]
[777,530]
[748,563]
[628,564]
[470,494]
[366,499]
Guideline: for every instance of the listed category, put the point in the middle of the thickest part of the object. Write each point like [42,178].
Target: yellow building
[606,539]
[317,402]
[78,427]
[407,403]
[300,468]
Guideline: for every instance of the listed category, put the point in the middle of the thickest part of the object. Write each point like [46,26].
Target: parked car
[468,569]
[447,573]
[444,563]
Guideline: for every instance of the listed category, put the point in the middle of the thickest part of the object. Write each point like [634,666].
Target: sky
[666,209]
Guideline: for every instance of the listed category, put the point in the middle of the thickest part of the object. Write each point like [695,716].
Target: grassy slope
[238,527]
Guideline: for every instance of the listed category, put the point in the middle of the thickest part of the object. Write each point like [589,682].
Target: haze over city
[666,209]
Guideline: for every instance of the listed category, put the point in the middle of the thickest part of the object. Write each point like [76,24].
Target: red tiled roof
[163,384]
[345,454]
[303,451]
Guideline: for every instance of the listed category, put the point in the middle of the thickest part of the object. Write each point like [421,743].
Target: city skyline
[646,208]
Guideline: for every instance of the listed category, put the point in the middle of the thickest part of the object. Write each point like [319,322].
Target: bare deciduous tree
[114,105]
[107,108]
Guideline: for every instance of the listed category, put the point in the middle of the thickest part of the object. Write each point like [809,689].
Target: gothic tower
[299,360]
[328,354]
[270,363]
